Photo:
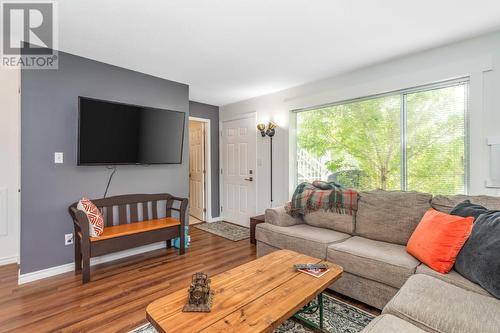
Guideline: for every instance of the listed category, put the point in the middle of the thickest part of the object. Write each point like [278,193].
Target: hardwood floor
[116,298]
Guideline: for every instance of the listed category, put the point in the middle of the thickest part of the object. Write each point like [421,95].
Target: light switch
[58,158]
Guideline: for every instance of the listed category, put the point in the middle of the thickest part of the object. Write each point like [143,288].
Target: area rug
[339,318]
[225,229]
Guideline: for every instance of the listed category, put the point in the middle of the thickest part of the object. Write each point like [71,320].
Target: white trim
[208,167]
[9,260]
[215,219]
[221,193]
[70,267]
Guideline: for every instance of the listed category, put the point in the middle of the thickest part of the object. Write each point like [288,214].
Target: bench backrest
[131,207]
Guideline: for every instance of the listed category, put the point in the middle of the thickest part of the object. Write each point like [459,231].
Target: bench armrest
[181,209]
[279,217]
[80,222]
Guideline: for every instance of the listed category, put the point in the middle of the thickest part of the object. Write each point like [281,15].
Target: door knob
[250,179]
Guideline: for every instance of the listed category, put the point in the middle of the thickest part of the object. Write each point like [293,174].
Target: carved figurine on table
[199,294]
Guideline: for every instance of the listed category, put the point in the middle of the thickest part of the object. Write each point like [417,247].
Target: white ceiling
[230,50]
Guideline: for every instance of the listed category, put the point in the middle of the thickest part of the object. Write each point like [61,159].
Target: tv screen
[112,133]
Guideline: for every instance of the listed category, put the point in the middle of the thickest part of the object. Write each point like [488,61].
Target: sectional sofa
[371,247]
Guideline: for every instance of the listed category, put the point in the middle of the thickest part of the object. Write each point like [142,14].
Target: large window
[409,140]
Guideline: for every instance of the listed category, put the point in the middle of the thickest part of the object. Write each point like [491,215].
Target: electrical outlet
[58,158]
[68,239]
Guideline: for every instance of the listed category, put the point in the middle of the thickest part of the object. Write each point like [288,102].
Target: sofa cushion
[437,306]
[454,278]
[390,216]
[379,261]
[330,220]
[390,324]
[301,238]
[445,204]
[278,216]
[438,238]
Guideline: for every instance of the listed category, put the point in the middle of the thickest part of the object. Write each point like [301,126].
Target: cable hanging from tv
[110,178]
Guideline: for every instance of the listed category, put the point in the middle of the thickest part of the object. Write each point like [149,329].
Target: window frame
[465,81]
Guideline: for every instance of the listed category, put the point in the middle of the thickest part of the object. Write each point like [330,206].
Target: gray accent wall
[211,112]
[49,108]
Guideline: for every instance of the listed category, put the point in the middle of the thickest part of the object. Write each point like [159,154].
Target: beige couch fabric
[379,261]
[454,278]
[390,324]
[330,220]
[278,216]
[446,203]
[390,216]
[300,238]
[437,306]
[263,249]
[364,290]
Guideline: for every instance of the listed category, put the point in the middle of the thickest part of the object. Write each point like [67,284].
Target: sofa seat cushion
[390,216]
[379,261]
[390,324]
[454,278]
[300,238]
[438,306]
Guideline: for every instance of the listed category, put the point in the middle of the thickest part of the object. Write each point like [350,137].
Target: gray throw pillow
[478,260]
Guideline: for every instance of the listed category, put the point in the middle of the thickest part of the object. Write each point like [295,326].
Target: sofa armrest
[279,217]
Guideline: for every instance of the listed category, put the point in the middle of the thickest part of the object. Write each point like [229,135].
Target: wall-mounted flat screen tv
[111,133]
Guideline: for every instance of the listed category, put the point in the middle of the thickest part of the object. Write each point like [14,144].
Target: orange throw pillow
[438,238]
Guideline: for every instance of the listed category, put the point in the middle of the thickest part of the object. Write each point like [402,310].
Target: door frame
[246,115]
[14,206]
[207,178]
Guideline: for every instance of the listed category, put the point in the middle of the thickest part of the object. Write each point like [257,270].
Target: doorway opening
[199,170]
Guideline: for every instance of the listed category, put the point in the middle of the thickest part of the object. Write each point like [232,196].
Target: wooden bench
[135,224]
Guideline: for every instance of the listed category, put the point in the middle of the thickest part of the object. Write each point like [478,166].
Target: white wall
[478,58]
[9,165]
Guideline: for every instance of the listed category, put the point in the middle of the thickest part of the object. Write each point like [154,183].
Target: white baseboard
[214,219]
[48,272]
[9,260]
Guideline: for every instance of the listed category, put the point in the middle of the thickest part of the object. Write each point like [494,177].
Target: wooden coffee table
[255,297]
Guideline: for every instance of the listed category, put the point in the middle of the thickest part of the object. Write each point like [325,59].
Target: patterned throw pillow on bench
[94,216]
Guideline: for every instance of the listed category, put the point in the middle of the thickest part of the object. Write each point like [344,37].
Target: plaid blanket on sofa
[322,195]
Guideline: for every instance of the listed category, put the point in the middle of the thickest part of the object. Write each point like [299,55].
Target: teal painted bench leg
[310,309]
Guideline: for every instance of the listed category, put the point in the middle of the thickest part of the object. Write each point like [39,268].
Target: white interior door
[10,165]
[197,169]
[238,170]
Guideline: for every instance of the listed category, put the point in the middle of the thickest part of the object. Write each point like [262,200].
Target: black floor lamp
[269,131]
